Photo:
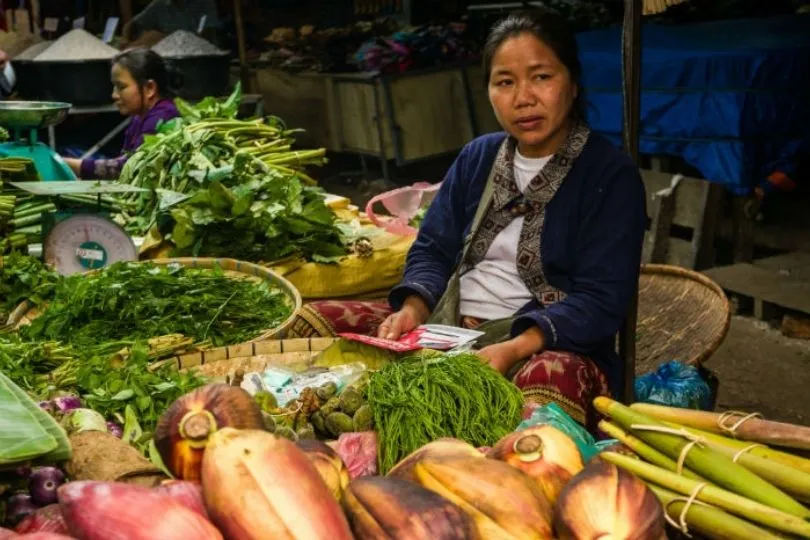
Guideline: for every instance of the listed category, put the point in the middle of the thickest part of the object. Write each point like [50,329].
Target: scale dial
[86,242]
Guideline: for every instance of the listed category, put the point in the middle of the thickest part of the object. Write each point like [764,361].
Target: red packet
[427,336]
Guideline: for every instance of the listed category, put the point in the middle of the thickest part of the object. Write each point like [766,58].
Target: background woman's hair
[554,32]
[145,65]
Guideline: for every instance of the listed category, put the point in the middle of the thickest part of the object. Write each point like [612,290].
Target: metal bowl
[32,114]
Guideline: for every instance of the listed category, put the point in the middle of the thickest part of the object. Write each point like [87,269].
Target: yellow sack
[353,277]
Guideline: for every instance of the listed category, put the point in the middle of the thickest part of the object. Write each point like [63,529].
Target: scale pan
[32,114]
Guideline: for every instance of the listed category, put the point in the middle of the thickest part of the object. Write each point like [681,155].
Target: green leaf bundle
[418,400]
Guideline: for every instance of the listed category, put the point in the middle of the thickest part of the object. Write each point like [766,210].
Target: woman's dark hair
[554,32]
[145,65]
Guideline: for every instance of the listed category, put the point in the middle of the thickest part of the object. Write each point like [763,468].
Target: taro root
[184,429]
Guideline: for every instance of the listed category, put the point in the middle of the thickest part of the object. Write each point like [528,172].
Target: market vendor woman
[535,235]
[141,83]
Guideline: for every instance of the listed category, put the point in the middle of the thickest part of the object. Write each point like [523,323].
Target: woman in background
[141,90]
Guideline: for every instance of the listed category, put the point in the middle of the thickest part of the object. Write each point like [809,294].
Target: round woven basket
[682,315]
[26,312]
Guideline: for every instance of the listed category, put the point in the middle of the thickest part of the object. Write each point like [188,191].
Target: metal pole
[244,74]
[631,91]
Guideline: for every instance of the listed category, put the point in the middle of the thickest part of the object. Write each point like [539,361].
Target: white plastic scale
[82,240]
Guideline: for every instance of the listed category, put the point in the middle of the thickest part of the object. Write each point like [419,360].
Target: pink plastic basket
[402,204]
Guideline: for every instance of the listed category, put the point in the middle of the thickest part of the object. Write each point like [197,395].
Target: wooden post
[631,63]
[244,73]
[125,7]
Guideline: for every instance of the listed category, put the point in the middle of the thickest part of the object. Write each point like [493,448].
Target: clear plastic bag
[675,384]
[554,416]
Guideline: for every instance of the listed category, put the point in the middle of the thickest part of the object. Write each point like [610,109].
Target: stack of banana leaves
[220,186]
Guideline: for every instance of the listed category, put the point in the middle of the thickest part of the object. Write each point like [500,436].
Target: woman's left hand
[502,356]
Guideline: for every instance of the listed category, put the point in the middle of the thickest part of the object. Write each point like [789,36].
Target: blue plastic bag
[675,384]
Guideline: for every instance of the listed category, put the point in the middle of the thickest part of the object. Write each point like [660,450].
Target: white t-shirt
[493,289]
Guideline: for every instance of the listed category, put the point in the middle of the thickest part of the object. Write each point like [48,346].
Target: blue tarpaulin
[731,97]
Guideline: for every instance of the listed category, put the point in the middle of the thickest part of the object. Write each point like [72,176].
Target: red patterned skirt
[568,379]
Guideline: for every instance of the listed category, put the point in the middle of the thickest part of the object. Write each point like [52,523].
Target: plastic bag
[359,452]
[554,416]
[675,384]
[403,204]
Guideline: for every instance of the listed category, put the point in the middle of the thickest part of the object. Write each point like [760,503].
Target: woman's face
[532,94]
[126,93]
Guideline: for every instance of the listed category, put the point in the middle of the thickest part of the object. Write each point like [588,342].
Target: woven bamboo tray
[295,354]
[682,315]
[26,312]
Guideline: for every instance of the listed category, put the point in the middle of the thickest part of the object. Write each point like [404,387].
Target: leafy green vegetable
[219,185]
[421,399]
[211,107]
[24,278]
[127,302]
[26,431]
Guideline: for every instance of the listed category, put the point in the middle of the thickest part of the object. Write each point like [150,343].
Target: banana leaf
[26,431]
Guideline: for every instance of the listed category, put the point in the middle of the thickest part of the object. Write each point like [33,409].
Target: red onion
[46,406]
[6,534]
[65,404]
[115,429]
[43,485]
[19,506]
[189,494]
[46,519]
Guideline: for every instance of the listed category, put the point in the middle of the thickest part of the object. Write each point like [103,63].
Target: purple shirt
[106,169]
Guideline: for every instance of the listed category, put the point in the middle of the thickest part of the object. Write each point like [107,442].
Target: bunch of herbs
[127,302]
[23,277]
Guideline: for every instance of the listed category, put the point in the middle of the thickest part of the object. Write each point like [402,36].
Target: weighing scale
[78,240]
[22,119]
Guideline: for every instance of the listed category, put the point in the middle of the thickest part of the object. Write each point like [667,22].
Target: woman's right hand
[413,313]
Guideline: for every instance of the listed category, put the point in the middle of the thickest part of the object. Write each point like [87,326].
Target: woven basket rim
[706,281]
[229,265]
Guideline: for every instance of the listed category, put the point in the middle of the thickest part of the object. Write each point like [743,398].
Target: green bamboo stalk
[26,221]
[706,462]
[709,521]
[645,451]
[796,462]
[710,494]
[753,429]
[791,480]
